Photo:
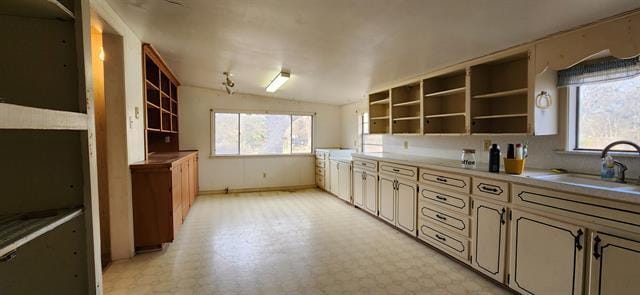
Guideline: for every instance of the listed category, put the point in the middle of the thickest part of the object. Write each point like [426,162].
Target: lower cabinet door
[333,166]
[358,188]
[615,265]
[407,198]
[546,256]
[344,183]
[386,193]
[371,193]
[489,239]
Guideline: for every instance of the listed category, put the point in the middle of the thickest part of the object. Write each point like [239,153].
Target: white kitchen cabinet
[344,181]
[546,256]
[615,265]
[397,200]
[371,193]
[358,188]
[334,176]
[407,196]
[387,196]
[489,239]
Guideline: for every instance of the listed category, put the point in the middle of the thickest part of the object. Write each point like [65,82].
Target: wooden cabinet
[371,193]
[614,265]
[344,181]
[164,188]
[489,239]
[397,200]
[546,256]
[334,176]
[359,180]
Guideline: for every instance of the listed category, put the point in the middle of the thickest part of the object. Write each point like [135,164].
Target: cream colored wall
[120,201]
[350,114]
[217,173]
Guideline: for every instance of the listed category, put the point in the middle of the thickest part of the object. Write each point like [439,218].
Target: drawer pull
[489,189]
[396,170]
[441,217]
[441,238]
[441,198]
[577,240]
[441,179]
[596,245]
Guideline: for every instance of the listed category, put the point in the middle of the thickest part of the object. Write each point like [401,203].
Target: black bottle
[494,158]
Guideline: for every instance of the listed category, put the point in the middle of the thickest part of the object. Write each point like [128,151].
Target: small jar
[468,159]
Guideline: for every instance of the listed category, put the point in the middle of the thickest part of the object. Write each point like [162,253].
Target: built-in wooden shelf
[382,101]
[21,117]
[447,92]
[499,116]
[406,118]
[380,118]
[19,229]
[502,93]
[408,103]
[50,9]
[407,133]
[445,115]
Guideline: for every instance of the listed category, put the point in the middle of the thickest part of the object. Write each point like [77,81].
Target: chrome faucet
[620,168]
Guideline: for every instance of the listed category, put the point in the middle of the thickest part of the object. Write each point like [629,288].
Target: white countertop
[481,170]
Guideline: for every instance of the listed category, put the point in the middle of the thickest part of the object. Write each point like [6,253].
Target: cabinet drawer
[592,209]
[320,181]
[320,163]
[453,182]
[399,170]
[452,201]
[365,164]
[320,171]
[454,222]
[320,155]
[491,189]
[458,247]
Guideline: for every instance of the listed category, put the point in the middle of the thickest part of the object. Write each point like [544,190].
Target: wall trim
[257,189]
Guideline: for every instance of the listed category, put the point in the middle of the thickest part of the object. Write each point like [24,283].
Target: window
[606,112]
[371,143]
[261,134]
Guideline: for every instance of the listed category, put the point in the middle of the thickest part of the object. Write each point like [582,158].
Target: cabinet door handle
[502,213]
[441,198]
[596,245]
[441,238]
[441,179]
[441,217]
[396,170]
[577,239]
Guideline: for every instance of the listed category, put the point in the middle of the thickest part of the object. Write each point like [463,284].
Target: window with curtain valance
[599,70]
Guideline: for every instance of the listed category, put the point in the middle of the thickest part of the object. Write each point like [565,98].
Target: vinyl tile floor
[302,242]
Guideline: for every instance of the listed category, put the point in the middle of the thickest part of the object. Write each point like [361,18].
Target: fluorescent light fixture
[278,81]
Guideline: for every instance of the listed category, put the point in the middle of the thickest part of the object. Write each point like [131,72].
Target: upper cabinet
[405,109]
[379,112]
[161,103]
[445,103]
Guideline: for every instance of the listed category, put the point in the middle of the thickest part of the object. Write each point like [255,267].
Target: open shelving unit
[445,107]
[406,114]
[161,96]
[47,234]
[379,112]
[499,96]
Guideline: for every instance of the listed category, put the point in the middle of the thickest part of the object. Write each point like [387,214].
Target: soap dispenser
[607,168]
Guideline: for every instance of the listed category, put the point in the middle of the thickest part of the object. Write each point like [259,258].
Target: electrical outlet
[167,139]
[487,145]
[406,144]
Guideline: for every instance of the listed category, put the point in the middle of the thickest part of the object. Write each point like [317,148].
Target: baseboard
[257,189]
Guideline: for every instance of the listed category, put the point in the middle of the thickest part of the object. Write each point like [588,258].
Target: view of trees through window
[371,143]
[607,112]
[262,134]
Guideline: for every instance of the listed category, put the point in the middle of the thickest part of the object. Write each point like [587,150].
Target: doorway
[107,61]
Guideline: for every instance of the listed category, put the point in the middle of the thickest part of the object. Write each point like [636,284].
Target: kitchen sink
[590,181]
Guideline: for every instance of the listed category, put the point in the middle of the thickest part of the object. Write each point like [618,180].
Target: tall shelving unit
[49,240]
[161,96]
[406,114]
[499,96]
[445,107]
[380,112]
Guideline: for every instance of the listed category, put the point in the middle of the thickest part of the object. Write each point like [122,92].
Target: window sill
[258,156]
[598,154]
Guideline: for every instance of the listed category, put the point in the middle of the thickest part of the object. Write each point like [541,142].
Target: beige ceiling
[337,50]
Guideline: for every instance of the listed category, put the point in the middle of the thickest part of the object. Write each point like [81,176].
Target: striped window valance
[599,70]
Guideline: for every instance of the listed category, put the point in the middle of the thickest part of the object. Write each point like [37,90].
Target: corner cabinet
[615,265]
[547,256]
[489,239]
[164,188]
